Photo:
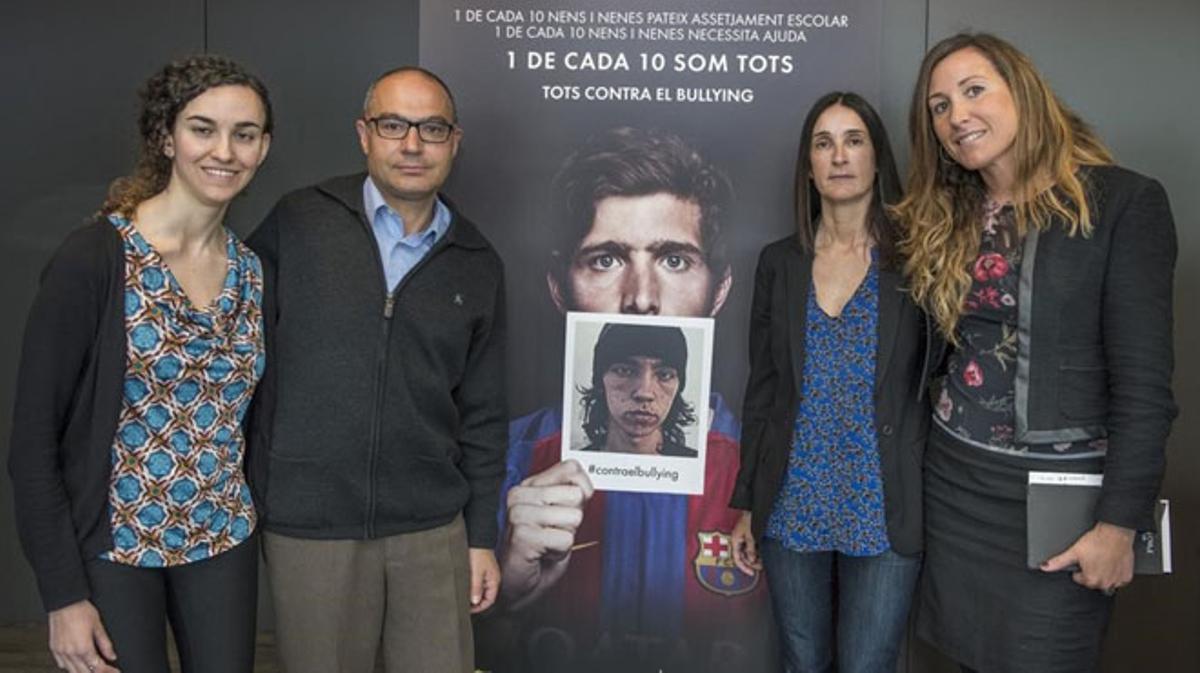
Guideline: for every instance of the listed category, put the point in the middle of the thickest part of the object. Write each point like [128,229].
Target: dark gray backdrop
[70,70]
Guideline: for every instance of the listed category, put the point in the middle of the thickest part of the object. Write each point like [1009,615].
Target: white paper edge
[1066,478]
[1165,542]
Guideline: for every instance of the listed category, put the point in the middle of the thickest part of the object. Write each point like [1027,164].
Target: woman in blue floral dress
[142,350]
[834,424]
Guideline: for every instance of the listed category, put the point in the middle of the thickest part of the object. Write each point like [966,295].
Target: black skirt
[977,601]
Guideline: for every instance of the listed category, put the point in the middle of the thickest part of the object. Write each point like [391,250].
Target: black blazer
[774,389]
[1095,352]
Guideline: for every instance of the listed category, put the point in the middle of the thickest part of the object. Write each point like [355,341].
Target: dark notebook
[1059,508]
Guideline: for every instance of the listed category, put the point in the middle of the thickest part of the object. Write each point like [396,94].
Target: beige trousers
[337,601]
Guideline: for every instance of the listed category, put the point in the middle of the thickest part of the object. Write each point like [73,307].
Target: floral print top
[177,492]
[977,399]
[832,494]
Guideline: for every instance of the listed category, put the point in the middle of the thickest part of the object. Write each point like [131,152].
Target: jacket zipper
[389,309]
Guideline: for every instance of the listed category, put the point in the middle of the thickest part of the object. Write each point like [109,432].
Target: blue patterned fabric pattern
[178,493]
[832,494]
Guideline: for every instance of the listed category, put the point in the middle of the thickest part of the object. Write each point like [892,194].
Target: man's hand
[544,512]
[1104,555]
[78,640]
[485,578]
[745,551]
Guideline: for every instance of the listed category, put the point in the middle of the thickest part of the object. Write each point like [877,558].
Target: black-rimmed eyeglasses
[396,128]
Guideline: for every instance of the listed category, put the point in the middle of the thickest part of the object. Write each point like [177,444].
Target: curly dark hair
[163,96]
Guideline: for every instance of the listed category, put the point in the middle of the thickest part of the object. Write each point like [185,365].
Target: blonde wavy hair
[940,213]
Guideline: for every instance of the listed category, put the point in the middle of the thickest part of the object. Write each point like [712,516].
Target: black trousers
[211,606]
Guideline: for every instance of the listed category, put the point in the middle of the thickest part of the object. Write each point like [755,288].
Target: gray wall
[71,72]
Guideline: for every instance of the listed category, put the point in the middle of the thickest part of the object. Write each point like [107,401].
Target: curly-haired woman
[1049,270]
[142,350]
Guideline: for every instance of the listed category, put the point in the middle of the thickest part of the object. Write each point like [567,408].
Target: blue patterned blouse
[832,494]
[177,492]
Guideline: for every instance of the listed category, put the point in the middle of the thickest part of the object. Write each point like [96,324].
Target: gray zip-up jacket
[381,413]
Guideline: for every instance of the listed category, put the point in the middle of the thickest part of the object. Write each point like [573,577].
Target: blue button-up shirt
[400,252]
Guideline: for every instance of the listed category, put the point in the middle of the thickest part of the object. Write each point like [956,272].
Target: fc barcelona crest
[714,566]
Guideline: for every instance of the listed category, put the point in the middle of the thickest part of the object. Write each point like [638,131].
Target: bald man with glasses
[383,414]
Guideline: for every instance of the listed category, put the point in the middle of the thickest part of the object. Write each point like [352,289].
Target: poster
[631,158]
